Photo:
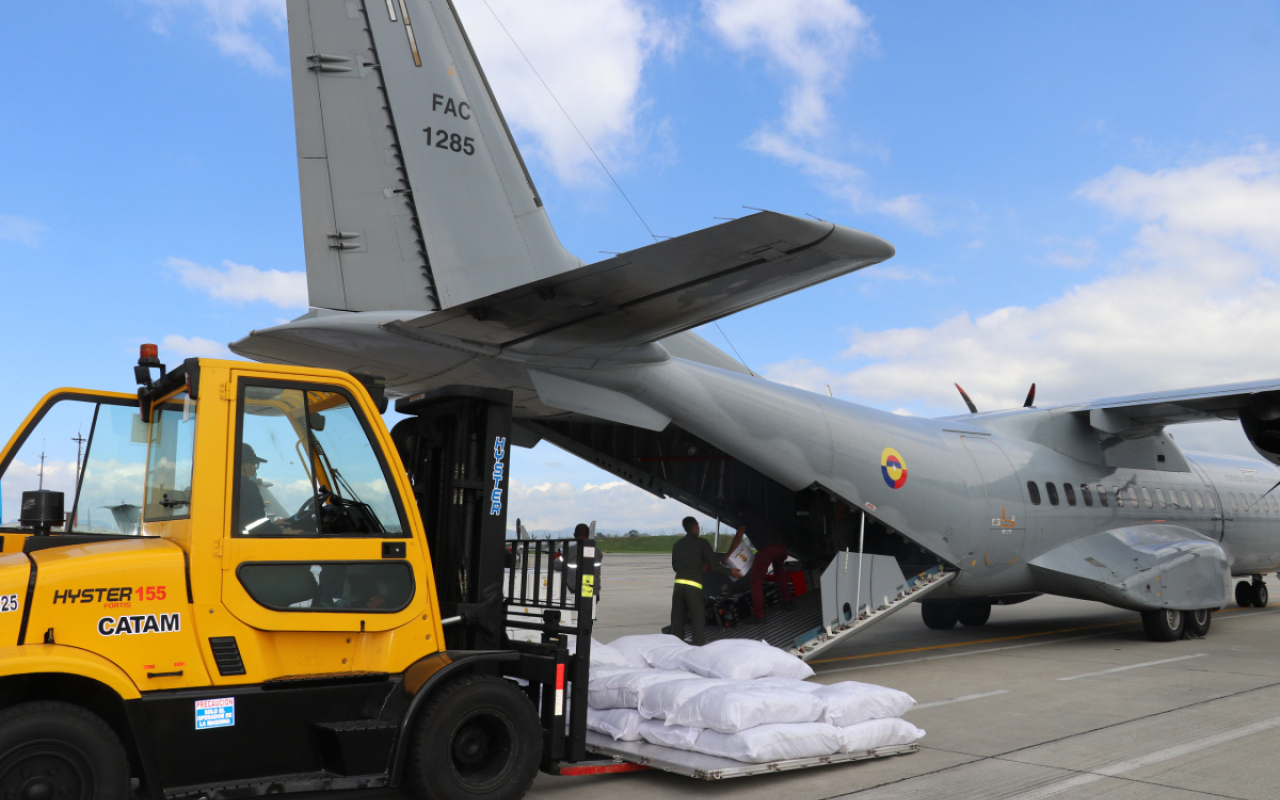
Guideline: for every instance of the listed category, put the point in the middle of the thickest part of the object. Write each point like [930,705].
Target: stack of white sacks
[737,699]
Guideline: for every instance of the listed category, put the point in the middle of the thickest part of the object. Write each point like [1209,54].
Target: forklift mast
[455,449]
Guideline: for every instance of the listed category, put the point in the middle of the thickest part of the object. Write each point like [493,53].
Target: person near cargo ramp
[690,557]
[770,549]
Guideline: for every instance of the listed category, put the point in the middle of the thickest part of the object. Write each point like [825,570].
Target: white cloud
[175,347]
[811,44]
[21,230]
[1192,302]
[811,41]
[591,53]
[232,25]
[614,505]
[841,180]
[241,283]
[1070,253]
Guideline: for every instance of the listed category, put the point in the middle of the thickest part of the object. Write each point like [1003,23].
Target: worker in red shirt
[770,549]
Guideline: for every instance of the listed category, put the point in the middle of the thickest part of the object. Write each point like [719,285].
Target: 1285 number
[452,141]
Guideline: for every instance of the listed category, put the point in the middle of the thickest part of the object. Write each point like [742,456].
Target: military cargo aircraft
[431,261]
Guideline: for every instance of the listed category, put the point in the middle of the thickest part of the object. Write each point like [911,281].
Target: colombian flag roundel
[893,468]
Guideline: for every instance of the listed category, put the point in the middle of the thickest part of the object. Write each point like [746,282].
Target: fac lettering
[446,105]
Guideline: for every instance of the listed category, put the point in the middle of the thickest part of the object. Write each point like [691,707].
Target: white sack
[678,736]
[667,657]
[738,706]
[743,660]
[633,648]
[878,733]
[773,742]
[742,557]
[850,702]
[602,655]
[622,688]
[664,699]
[623,724]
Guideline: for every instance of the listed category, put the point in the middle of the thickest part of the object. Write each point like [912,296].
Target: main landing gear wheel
[939,615]
[1165,625]
[57,751]
[1258,595]
[974,613]
[478,739]
[1198,621]
[1244,594]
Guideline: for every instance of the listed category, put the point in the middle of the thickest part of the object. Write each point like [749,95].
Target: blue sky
[1086,195]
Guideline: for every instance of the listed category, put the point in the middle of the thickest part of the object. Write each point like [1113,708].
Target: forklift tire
[939,615]
[61,752]
[479,738]
[975,613]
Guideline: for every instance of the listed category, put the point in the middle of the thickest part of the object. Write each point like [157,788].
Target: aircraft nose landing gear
[1252,594]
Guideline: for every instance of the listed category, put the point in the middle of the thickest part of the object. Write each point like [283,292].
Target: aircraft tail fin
[414,195]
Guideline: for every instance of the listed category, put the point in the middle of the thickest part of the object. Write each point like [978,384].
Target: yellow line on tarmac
[990,641]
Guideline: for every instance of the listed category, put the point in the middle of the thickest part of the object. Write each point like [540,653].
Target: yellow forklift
[246,585]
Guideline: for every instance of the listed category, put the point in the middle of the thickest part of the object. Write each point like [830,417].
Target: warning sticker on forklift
[217,713]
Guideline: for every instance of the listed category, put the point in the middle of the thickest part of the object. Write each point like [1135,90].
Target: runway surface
[1051,698]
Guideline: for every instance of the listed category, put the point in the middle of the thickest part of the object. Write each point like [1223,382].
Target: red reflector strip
[601,769]
[559,690]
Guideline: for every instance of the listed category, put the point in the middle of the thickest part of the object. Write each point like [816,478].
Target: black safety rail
[543,582]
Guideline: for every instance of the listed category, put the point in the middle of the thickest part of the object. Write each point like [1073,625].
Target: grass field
[649,544]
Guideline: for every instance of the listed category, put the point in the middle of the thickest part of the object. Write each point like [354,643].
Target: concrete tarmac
[1051,698]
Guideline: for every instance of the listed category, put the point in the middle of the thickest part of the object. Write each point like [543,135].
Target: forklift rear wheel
[1244,594]
[479,738]
[939,615]
[60,752]
[1165,625]
[974,614]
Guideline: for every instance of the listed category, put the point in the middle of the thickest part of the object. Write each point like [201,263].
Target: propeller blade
[972,408]
[1031,397]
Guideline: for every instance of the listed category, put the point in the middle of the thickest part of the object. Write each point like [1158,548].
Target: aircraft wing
[1130,413]
[655,291]
[1140,567]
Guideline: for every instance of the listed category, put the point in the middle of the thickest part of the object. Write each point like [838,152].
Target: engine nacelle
[1261,423]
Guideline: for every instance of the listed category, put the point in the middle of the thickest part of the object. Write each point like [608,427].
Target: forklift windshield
[305,467]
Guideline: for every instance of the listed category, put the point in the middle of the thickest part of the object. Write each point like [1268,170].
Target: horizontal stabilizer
[605,404]
[644,295]
[1140,567]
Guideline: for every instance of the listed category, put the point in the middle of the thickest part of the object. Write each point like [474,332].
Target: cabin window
[1275,505]
[1146,497]
[1209,501]
[1119,497]
[1070,492]
[1186,500]
[1102,495]
[1034,491]
[1086,495]
[1133,497]
[1053,492]
[1160,497]
[1253,502]
[1199,501]
[1232,497]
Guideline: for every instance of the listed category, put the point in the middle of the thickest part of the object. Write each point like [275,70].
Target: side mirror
[376,386]
[41,511]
